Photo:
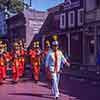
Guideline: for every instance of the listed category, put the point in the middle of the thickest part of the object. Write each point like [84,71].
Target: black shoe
[56,98]
[4,78]
[14,82]
[1,83]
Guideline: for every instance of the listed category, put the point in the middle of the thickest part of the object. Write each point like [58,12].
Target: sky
[43,5]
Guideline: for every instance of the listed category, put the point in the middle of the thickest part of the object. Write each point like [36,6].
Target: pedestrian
[32,55]
[2,68]
[53,64]
[7,57]
[22,58]
[44,56]
[35,61]
[16,63]
[15,69]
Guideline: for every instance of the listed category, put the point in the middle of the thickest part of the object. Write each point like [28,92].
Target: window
[71,19]
[63,21]
[80,17]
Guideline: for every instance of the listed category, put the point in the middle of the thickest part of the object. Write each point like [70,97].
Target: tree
[12,6]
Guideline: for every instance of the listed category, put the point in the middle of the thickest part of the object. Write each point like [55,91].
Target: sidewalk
[82,73]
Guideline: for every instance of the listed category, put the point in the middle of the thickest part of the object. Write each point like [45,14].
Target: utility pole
[30,3]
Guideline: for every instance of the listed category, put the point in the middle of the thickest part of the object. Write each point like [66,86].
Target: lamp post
[30,3]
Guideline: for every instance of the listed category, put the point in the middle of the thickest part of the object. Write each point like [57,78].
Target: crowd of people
[13,60]
[51,59]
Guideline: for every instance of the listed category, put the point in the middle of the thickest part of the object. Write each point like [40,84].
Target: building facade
[25,25]
[77,24]
[66,20]
[92,31]
[3,26]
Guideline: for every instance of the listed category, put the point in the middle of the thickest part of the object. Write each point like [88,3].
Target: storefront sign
[69,4]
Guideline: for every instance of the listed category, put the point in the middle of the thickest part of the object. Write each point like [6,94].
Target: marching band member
[53,64]
[15,69]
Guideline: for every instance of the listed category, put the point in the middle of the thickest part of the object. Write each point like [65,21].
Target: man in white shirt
[53,64]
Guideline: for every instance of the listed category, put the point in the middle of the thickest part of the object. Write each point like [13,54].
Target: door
[76,47]
[89,49]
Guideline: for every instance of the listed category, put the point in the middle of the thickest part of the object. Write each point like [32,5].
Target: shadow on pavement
[44,85]
[11,82]
[69,95]
[32,94]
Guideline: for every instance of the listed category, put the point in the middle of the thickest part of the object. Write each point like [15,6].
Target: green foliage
[17,5]
[12,6]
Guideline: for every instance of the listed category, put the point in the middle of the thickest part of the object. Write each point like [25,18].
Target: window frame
[62,25]
[69,19]
[79,21]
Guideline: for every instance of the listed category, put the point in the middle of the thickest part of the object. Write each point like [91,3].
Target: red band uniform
[35,60]
[15,68]
[22,62]
[2,68]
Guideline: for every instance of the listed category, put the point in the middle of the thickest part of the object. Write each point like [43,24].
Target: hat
[5,45]
[15,44]
[34,45]
[55,37]
[47,43]
[55,43]
[0,41]
[37,44]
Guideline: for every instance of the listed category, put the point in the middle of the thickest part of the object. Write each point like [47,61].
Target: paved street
[71,89]
[28,90]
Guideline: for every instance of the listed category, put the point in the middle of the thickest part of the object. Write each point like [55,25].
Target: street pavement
[28,90]
[71,88]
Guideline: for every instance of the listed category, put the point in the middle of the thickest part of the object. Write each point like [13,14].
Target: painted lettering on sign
[68,4]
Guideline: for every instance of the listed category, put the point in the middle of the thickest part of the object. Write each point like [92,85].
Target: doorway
[90,49]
